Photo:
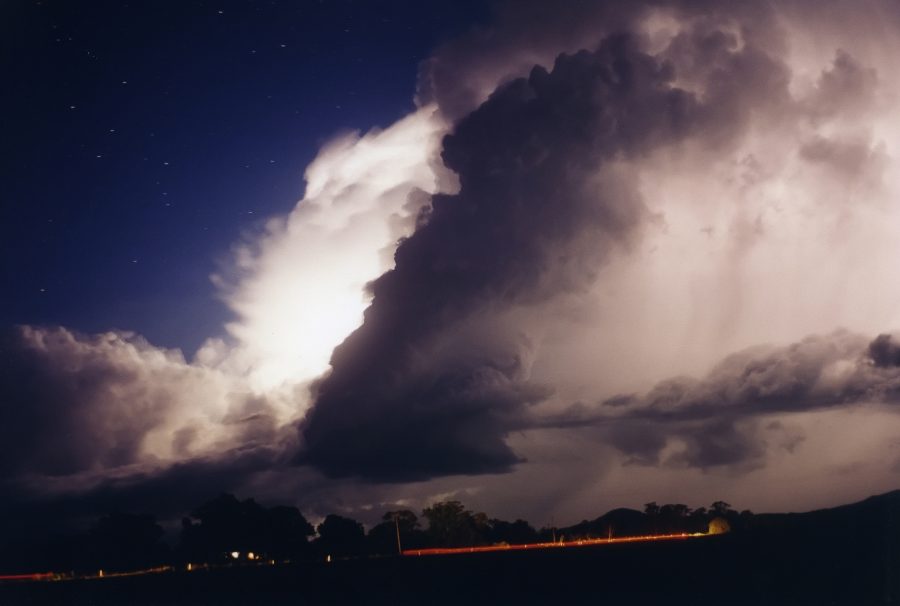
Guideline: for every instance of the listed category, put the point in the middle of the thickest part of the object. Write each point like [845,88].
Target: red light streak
[53,576]
[33,576]
[561,544]
[62,576]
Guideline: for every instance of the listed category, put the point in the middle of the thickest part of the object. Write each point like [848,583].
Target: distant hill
[848,550]
[848,519]
[619,522]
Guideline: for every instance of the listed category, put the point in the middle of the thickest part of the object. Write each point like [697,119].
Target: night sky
[544,258]
[142,138]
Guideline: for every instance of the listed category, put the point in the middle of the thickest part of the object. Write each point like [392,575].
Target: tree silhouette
[698,520]
[513,533]
[383,537]
[451,524]
[287,533]
[674,517]
[340,536]
[405,520]
[226,525]
[123,541]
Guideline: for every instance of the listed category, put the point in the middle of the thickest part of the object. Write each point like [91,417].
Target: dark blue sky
[141,138]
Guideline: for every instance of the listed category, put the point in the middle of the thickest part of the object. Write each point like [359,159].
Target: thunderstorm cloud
[537,278]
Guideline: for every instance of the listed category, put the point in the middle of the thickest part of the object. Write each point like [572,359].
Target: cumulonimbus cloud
[535,217]
[552,171]
[626,191]
[107,413]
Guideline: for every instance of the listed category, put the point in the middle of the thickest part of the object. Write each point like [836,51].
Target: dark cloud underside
[716,420]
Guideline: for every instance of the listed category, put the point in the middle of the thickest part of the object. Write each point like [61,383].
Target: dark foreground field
[848,555]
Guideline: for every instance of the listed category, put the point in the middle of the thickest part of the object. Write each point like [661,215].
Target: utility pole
[397,528]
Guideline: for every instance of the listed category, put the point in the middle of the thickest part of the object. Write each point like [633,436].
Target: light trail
[32,576]
[101,574]
[67,576]
[551,545]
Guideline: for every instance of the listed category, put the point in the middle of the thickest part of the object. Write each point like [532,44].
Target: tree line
[227,530]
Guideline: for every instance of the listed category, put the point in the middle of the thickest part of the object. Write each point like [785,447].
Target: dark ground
[848,555]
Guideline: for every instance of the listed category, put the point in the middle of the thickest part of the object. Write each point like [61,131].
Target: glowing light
[556,545]
[300,289]
[235,554]
[719,526]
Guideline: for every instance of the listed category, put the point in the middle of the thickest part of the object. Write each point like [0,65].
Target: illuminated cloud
[91,404]
[108,413]
[299,288]
[536,216]
[691,189]
[626,192]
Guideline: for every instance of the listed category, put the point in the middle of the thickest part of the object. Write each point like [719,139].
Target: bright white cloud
[300,288]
